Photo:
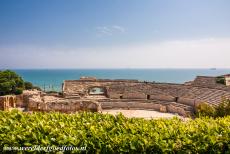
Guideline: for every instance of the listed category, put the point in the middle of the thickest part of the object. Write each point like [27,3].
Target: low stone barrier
[186,101]
[163,98]
[178,110]
[64,106]
[114,96]
[134,105]
[134,95]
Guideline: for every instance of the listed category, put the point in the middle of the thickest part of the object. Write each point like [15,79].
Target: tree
[28,85]
[10,83]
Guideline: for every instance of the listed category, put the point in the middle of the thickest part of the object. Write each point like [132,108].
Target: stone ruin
[39,101]
[7,102]
[91,94]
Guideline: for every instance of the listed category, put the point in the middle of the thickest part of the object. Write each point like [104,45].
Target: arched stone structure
[97,90]
[7,102]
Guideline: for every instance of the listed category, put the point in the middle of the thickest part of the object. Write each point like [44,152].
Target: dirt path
[141,114]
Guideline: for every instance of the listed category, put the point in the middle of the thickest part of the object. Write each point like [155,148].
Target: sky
[114,34]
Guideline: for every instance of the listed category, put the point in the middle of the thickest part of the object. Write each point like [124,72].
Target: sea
[52,79]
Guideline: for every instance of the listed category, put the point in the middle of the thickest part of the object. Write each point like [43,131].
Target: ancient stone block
[163,98]
[163,109]
[186,101]
[19,101]
[134,95]
[114,95]
[32,105]
[174,109]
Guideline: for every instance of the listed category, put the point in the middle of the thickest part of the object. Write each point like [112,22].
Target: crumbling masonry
[93,94]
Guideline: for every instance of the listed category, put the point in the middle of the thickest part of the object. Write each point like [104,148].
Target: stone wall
[133,95]
[209,82]
[7,102]
[81,87]
[162,97]
[133,105]
[126,94]
[36,101]
[227,80]
[65,106]
[185,94]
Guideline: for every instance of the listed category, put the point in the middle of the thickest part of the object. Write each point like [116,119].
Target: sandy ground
[141,114]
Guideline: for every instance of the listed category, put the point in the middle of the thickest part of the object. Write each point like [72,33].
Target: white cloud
[109,30]
[104,30]
[118,28]
[200,53]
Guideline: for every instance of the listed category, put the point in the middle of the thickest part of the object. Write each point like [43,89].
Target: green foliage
[203,109]
[52,91]
[108,134]
[28,85]
[223,109]
[220,80]
[18,91]
[10,82]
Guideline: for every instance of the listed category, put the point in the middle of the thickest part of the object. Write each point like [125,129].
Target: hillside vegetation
[12,83]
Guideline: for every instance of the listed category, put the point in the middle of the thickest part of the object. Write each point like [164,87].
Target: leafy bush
[108,134]
[220,80]
[28,85]
[52,91]
[223,109]
[18,91]
[204,109]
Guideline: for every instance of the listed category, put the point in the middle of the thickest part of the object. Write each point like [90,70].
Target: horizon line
[210,68]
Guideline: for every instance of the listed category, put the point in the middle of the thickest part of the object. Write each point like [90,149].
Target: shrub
[51,92]
[101,133]
[223,109]
[28,85]
[220,80]
[204,109]
[18,91]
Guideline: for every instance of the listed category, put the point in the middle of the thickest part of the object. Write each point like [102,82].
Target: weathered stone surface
[178,110]
[163,109]
[133,105]
[114,96]
[227,79]
[133,89]
[126,94]
[7,102]
[163,98]
[186,101]
[134,95]
[19,101]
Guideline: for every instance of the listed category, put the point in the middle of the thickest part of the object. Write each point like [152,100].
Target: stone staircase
[73,96]
[211,96]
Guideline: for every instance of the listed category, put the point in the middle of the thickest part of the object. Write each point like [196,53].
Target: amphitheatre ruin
[91,94]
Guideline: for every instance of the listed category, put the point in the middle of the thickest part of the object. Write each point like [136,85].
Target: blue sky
[114,33]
